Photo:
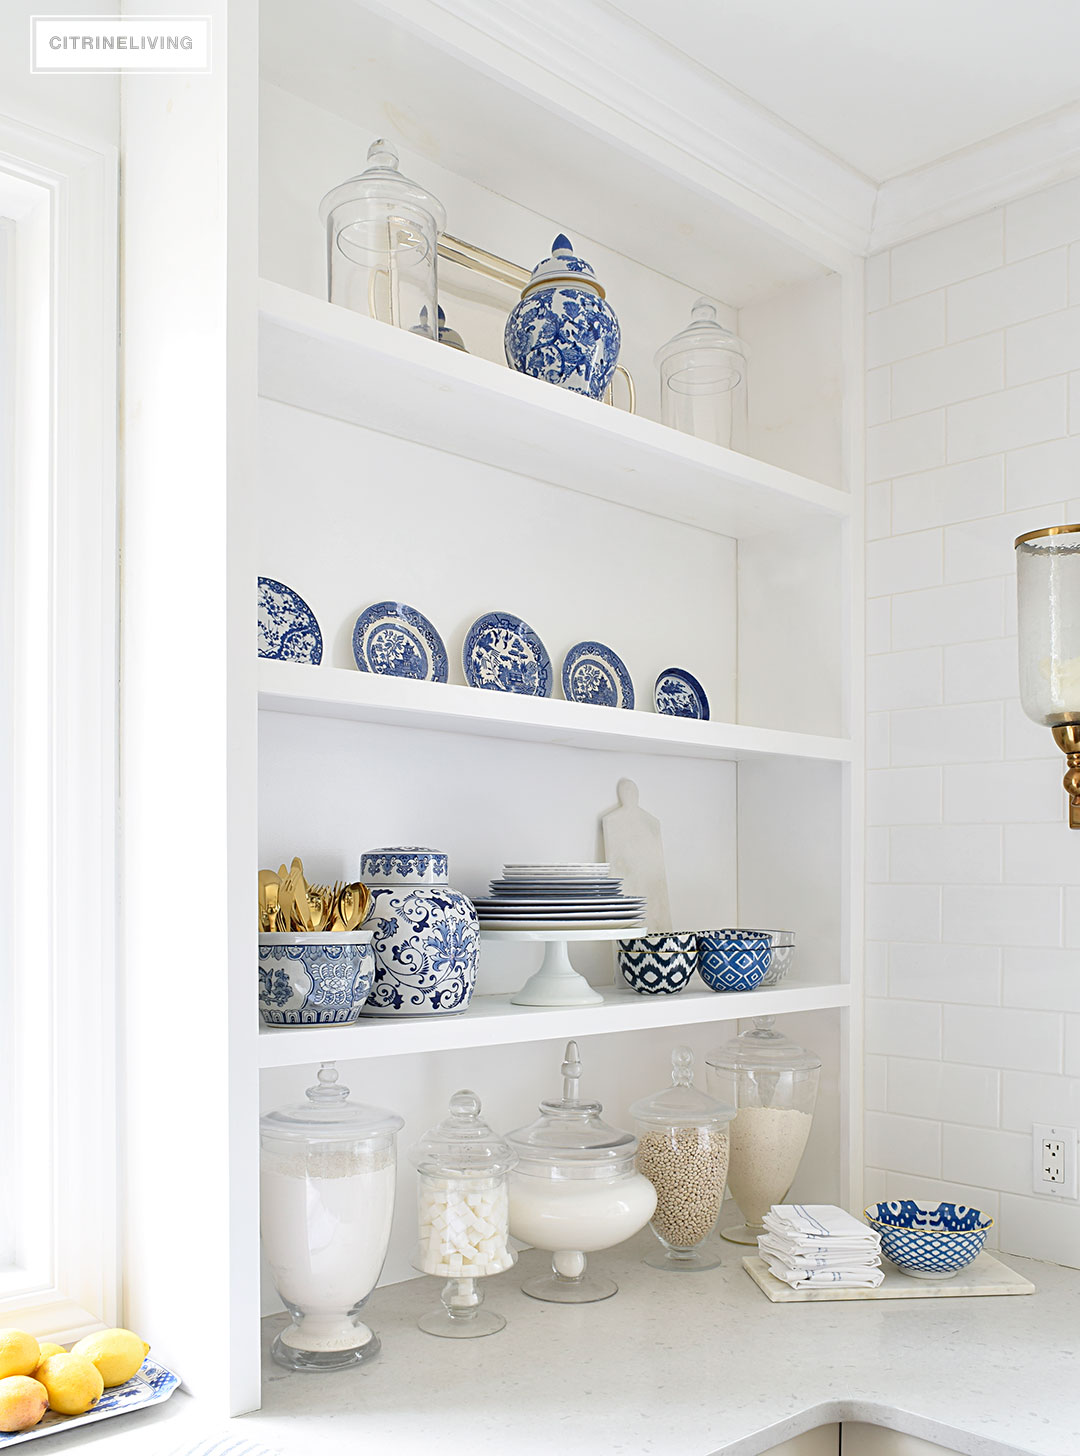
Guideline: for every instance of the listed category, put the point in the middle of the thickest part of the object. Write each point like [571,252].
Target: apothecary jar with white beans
[575,1190]
[328,1173]
[464,1217]
[773,1083]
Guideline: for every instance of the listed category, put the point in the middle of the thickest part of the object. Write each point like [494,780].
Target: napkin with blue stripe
[812,1244]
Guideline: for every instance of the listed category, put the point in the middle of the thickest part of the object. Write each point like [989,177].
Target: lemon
[18,1353]
[116,1353]
[48,1347]
[22,1403]
[72,1382]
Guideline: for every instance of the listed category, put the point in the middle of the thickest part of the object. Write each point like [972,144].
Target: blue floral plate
[398,641]
[151,1385]
[592,673]
[679,694]
[288,630]
[504,654]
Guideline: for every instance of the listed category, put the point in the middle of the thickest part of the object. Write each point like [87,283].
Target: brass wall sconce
[1048,628]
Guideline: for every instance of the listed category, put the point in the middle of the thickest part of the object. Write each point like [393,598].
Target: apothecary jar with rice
[773,1084]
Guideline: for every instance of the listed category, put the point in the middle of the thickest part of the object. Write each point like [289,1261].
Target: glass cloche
[703,379]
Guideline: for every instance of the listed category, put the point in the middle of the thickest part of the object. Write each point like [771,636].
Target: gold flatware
[354,903]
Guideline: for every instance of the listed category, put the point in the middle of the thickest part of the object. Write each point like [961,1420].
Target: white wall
[82,108]
[973,914]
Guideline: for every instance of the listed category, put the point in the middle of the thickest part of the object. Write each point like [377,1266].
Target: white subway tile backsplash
[1039,348]
[877,281]
[1041,475]
[980,672]
[904,563]
[1031,1097]
[1005,296]
[1025,739]
[904,679]
[974,549]
[909,328]
[1000,793]
[914,1087]
[1046,978]
[879,624]
[878,395]
[965,733]
[956,372]
[904,796]
[877,740]
[875,1071]
[1074,273]
[877,968]
[1001,915]
[968,975]
[1072,1046]
[946,854]
[970,1095]
[915,443]
[1040,1228]
[877,856]
[953,493]
[906,1144]
[1002,421]
[903,1029]
[988,1156]
[968,612]
[997,1036]
[1042,854]
[1045,220]
[878,510]
[948,255]
[1074,403]
[903,912]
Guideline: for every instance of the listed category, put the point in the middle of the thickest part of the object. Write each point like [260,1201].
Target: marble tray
[986,1275]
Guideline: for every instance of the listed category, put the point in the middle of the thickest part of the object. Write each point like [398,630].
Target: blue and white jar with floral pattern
[314,980]
[563,329]
[425,935]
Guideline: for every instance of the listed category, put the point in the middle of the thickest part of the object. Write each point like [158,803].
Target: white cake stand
[556,983]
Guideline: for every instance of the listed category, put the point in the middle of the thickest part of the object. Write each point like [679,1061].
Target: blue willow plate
[398,641]
[503,653]
[288,630]
[592,673]
[151,1385]
[679,694]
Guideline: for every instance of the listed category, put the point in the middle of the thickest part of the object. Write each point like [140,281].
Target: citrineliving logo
[161,44]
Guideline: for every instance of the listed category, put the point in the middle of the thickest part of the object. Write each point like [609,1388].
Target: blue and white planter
[425,935]
[929,1240]
[563,329]
[314,980]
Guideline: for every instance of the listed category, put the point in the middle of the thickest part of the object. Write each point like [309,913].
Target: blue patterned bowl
[728,962]
[929,1240]
[657,965]
[314,980]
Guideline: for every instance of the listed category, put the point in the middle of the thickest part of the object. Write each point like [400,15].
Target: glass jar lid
[563,266]
[404,864]
[570,1139]
[682,1104]
[761,1046]
[463,1143]
[329,1116]
[381,181]
[704,357]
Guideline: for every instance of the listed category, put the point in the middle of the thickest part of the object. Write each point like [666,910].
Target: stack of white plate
[570,896]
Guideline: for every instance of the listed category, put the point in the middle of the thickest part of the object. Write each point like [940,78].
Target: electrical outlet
[1053,1169]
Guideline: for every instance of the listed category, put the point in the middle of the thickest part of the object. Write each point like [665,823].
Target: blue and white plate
[288,630]
[592,673]
[679,694]
[503,653]
[152,1384]
[398,641]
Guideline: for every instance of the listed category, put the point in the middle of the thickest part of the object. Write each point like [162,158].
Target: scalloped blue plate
[396,640]
[679,694]
[592,673]
[503,654]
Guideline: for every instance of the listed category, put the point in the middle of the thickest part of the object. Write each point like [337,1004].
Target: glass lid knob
[682,1067]
[328,1090]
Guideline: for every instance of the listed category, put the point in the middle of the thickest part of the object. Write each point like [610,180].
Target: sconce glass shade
[1048,624]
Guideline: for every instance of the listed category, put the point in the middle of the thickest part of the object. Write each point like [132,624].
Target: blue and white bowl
[929,1240]
[314,980]
[733,962]
[657,965]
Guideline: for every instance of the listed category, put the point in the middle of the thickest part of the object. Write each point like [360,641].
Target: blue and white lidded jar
[425,935]
[563,329]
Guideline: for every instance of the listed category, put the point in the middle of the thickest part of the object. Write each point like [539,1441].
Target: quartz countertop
[673,1365]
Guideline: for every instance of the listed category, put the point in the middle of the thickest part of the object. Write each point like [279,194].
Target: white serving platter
[986,1275]
[150,1386]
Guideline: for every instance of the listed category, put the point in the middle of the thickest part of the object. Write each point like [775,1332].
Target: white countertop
[673,1365]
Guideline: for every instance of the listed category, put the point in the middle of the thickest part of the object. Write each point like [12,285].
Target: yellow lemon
[18,1353]
[116,1353]
[48,1347]
[73,1383]
[22,1403]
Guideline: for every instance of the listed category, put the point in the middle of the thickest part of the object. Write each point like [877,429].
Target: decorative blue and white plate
[503,653]
[592,673]
[398,641]
[151,1385]
[679,694]
[288,630]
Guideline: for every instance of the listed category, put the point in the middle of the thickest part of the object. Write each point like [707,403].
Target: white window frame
[60,202]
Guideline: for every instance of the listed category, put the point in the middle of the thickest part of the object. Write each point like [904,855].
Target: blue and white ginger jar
[425,935]
[563,329]
[314,980]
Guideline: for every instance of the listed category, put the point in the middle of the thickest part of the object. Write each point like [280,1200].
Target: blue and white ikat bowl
[929,1240]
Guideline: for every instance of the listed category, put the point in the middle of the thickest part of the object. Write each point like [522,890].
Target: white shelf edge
[493,1021]
[329,360]
[337,692]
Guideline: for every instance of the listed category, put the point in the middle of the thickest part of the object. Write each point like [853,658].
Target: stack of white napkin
[805,1244]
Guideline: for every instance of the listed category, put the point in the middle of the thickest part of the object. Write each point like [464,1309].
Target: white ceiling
[885,85]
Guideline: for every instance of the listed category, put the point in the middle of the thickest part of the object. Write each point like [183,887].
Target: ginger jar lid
[563,266]
[406,864]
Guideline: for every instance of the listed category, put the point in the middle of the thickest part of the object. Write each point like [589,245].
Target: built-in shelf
[493,1021]
[326,359]
[338,692]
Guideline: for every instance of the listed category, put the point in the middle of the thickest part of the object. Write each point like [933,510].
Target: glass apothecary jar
[1048,624]
[464,1217]
[703,379]
[773,1084]
[575,1190]
[382,234]
[683,1151]
[327,1202]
